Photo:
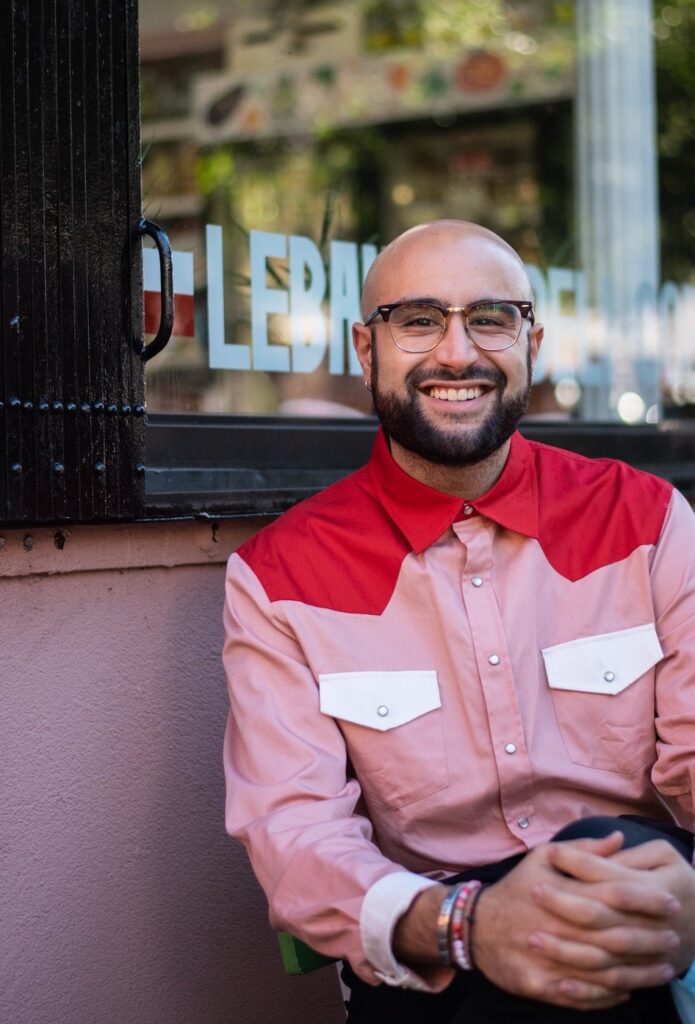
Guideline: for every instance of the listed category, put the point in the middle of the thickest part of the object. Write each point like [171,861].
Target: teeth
[456,394]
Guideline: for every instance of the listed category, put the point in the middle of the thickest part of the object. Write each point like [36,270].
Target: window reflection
[344,124]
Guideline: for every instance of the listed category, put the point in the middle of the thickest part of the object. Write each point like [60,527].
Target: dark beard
[404,421]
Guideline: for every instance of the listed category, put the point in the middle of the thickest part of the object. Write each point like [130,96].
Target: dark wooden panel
[71,383]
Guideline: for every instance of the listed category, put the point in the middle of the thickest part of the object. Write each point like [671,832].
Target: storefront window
[284,143]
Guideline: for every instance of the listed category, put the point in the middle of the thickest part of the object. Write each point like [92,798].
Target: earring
[368,385]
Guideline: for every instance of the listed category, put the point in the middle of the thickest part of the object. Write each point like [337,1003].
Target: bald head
[422,250]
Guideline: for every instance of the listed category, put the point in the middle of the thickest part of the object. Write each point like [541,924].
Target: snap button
[467,510]
[494,659]
[476,581]
[609,676]
[523,822]
[382,711]
[510,748]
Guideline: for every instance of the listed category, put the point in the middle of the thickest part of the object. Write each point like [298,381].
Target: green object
[298,958]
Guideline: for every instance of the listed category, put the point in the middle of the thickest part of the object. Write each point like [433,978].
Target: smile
[456,394]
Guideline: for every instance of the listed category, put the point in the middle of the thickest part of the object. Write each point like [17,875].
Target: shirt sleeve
[291,802]
[673,590]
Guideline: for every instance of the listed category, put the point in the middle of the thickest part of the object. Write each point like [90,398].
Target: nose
[456,348]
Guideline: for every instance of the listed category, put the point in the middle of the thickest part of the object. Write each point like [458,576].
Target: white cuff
[386,901]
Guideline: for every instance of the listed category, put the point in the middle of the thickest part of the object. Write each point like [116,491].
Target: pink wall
[122,899]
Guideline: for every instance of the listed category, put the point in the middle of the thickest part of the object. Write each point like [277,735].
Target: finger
[584,995]
[603,846]
[655,854]
[584,865]
[578,955]
[628,977]
[614,946]
[605,905]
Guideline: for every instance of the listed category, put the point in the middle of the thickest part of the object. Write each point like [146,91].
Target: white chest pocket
[379,700]
[603,695]
[606,663]
[392,724]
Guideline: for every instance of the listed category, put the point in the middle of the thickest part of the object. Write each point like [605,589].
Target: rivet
[140,469]
[16,467]
[86,408]
[28,542]
[523,822]
[28,406]
[99,467]
[477,581]
[494,659]
[382,711]
[609,676]
[14,323]
[71,407]
[139,409]
[125,409]
[60,539]
[57,407]
[58,468]
[98,407]
[111,410]
[15,403]
[43,406]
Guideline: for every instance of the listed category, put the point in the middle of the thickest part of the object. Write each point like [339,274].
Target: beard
[404,420]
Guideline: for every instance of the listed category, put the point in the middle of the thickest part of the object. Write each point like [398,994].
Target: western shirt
[421,685]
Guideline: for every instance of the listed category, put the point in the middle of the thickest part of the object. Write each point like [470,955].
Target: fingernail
[673,906]
[568,988]
[667,972]
[535,941]
[673,942]
[537,892]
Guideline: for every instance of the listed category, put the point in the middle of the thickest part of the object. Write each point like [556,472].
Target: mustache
[488,373]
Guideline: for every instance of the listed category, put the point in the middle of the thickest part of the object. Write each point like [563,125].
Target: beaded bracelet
[443,921]
[459,925]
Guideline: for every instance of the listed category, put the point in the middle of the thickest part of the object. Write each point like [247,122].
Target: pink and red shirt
[421,685]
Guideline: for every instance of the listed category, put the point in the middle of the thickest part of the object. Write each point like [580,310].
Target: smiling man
[461,747]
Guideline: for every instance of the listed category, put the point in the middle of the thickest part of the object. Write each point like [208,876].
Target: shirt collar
[423,514]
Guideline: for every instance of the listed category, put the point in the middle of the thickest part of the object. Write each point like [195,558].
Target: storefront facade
[278,146]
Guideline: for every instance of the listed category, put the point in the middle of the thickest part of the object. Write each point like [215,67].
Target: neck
[465,482]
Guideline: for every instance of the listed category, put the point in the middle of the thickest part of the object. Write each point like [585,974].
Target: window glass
[285,142]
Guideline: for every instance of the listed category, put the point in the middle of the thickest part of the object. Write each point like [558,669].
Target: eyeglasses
[491,324]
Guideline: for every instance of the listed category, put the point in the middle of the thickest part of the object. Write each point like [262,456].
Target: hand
[542,931]
[655,864]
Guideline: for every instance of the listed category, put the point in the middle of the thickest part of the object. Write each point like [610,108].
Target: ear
[362,340]
[535,337]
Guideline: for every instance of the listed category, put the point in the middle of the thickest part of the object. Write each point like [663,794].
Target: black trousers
[472,999]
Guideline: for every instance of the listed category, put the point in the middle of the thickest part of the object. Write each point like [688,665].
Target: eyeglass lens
[418,327]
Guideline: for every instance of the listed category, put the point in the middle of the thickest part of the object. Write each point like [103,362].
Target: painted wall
[122,900]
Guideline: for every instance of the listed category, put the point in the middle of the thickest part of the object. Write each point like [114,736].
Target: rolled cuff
[386,901]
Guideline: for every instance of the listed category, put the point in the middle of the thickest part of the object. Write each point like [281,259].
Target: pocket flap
[606,663]
[379,700]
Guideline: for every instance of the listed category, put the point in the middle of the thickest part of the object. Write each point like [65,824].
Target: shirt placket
[497,680]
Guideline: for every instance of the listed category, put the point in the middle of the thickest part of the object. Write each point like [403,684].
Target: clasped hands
[580,923]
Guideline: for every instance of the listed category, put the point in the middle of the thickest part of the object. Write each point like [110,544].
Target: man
[441,661]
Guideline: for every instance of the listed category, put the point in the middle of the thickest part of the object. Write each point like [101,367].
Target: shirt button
[477,581]
[510,748]
[609,676]
[523,822]
[382,711]
[494,659]
[467,510]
